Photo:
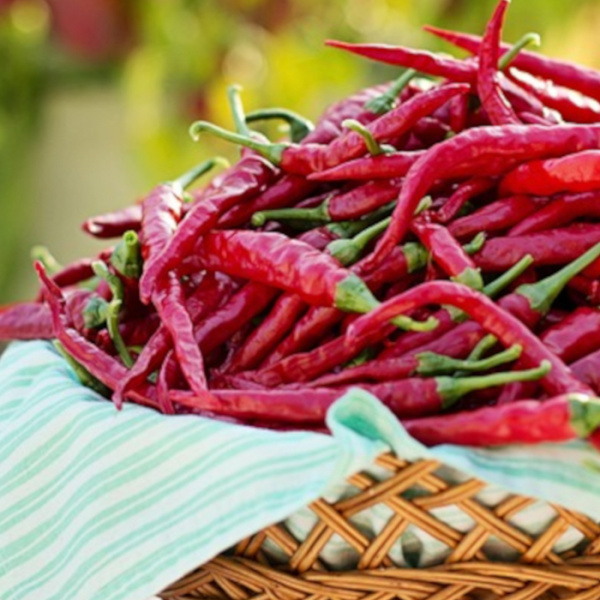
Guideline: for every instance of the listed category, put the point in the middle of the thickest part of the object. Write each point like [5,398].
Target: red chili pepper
[420,60]
[408,397]
[350,205]
[575,336]
[559,212]
[170,304]
[560,419]
[430,131]
[303,159]
[587,370]
[278,261]
[243,182]
[319,320]
[167,377]
[570,75]
[114,224]
[102,366]
[512,143]
[552,247]
[578,172]
[26,321]
[572,106]
[74,273]
[489,315]
[447,253]
[464,192]
[497,216]
[494,102]
[382,166]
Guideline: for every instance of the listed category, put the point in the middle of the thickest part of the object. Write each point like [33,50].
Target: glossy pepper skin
[114,224]
[26,321]
[497,216]
[560,419]
[244,181]
[494,102]
[558,211]
[278,261]
[567,74]
[512,143]
[578,172]
[490,316]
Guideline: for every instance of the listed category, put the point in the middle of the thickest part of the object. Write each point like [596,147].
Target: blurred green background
[96,96]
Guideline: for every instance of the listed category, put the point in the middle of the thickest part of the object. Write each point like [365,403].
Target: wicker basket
[539,572]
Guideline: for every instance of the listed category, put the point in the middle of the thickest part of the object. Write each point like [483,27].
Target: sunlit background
[96,96]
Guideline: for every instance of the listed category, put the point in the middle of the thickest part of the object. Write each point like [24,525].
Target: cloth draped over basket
[97,504]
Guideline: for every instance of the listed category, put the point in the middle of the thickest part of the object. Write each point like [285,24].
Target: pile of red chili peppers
[434,240]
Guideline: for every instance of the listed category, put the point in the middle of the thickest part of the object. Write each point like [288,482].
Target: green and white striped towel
[97,504]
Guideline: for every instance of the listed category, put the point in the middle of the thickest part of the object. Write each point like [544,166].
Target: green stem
[114,283]
[84,376]
[492,289]
[476,244]
[585,414]
[44,255]
[431,363]
[299,126]
[529,39]
[317,214]
[237,109]
[348,251]
[542,294]
[112,323]
[272,152]
[190,176]
[95,312]
[416,256]
[387,100]
[373,146]
[451,389]
[127,257]
[485,344]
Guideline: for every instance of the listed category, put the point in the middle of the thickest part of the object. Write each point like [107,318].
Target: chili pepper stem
[493,288]
[126,257]
[95,312]
[237,109]
[542,294]
[529,39]
[374,148]
[476,244]
[299,126]
[272,152]
[44,255]
[416,256]
[388,99]
[317,214]
[431,363]
[185,180]
[348,251]
[470,277]
[451,389]
[585,414]
[112,322]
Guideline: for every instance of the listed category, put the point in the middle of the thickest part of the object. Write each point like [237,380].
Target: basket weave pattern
[539,572]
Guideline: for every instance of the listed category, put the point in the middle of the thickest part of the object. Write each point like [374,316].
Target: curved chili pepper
[353,204]
[495,103]
[570,75]
[464,192]
[421,60]
[559,212]
[447,253]
[572,106]
[383,166]
[559,419]
[552,247]
[489,315]
[278,261]
[319,320]
[511,142]
[170,304]
[408,397]
[246,180]
[116,223]
[306,158]
[102,366]
[579,172]
[74,273]
[497,216]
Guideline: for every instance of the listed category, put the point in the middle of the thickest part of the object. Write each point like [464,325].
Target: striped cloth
[97,504]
